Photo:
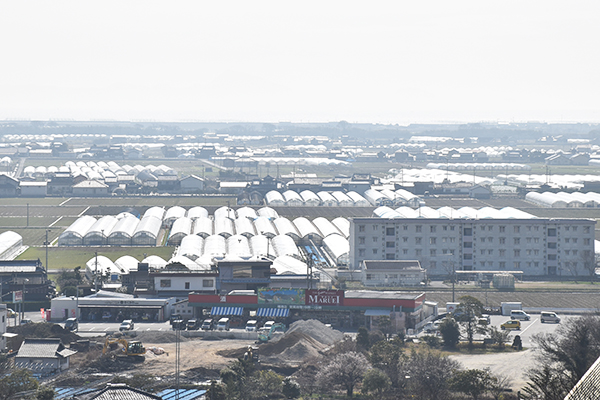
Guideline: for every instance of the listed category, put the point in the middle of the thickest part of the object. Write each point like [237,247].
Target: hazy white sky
[382,61]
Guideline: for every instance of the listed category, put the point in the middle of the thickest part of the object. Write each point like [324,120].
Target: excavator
[132,350]
[264,337]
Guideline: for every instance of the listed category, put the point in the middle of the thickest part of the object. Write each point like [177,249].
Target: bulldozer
[132,350]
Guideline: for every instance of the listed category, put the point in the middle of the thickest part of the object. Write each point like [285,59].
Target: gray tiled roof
[117,392]
[588,386]
[42,348]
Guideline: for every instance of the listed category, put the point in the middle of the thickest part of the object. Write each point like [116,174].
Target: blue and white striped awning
[272,312]
[226,311]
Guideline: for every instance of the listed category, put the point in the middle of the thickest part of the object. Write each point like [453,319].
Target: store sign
[325,297]
[18,296]
[280,296]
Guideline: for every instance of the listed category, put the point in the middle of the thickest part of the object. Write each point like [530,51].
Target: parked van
[193,325]
[223,324]
[268,325]
[72,324]
[549,317]
[208,325]
[251,325]
[520,314]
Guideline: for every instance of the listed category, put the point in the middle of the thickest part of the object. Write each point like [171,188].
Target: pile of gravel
[304,340]
[316,330]
[157,337]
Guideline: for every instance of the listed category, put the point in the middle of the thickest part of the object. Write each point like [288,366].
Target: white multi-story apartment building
[535,246]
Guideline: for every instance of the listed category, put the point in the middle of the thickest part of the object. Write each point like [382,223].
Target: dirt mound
[110,364]
[233,353]
[45,330]
[289,341]
[316,330]
[201,373]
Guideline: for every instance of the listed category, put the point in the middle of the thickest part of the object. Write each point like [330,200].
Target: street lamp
[47,243]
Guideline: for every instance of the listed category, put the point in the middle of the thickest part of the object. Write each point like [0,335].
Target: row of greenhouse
[127,230]
[309,198]
[454,166]
[452,213]
[101,171]
[564,200]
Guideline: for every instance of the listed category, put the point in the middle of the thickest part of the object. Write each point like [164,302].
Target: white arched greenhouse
[343,199]
[327,200]
[214,247]
[283,245]
[172,215]
[196,212]
[292,199]
[359,201]
[264,226]
[267,212]
[203,227]
[307,230]
[181,228]
[224,212]
[123,231]
[146,233]
[310,198]
[73,235]
[156,212]
[155,262]
[247,212]
[260,245]
[10,245]
[238,247]
[224,226]
[127,264]
[286,227]
[191,247]
[244,226]
[274,199]
[338,248]
[343,226]
[325,226]
[97,235]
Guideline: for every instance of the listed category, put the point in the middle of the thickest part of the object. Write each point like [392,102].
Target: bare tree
[427,374]
[345,370]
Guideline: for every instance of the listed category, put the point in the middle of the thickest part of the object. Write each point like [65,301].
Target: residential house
[392,273]
[44,356]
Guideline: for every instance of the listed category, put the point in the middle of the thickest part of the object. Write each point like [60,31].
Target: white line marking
[92,328]
[530,325]
[105,329]
[55,221]
[65,201]
[81,213]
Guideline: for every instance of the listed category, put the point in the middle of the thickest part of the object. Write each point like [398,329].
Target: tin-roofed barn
[73,235]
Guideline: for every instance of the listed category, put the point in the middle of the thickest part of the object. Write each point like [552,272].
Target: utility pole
[46,243]
[96,273]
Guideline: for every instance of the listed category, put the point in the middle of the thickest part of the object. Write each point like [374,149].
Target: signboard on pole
[18,296]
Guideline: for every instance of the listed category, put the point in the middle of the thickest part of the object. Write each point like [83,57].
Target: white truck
[507,307]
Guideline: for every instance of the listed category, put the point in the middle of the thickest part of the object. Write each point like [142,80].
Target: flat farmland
[71,257]
[48,201]
[151,201]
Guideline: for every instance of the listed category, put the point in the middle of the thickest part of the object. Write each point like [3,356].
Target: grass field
[71,257]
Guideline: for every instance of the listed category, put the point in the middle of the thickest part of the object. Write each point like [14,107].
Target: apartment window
[536,228]
[502,265]
[432,265]
[374,251]
[528,252]
[417,240]
[390,231]
[432,252]
[451,240]
[207,283]
[468,245]
[575,252]
[552,245]
[482,239]
[468,232]
[432,228]
[390,256]
[567,240]
[375,227]
[490,252]
[490,228]
[361,240]
[574,240]
[517,253]
[586,242]
[536,252]
[361,228]
[586,229]
[536,264]
[517,240]
[502,240]
[517,229]
[517,265]
[432,240]
[405,239]
[502,252]
[389,245]
[418,252]
[165,283]
[405,251]
[529,228]
[490,264]
[482,252]
[187,285]
[452,227]
[567,252]
[468,256]
[375,239]
[528,240]
[370,277]
[405,227]
[574,229]
[490,239]
[445,227]
[444,251]
[418,228]
[552,232]
[536,240]
[502,229]
[361,252]
[552,257]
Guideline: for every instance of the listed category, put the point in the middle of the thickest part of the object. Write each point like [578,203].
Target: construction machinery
[130,349]
[265,335]
[251,354]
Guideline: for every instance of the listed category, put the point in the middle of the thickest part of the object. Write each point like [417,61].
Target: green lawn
[71,257]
